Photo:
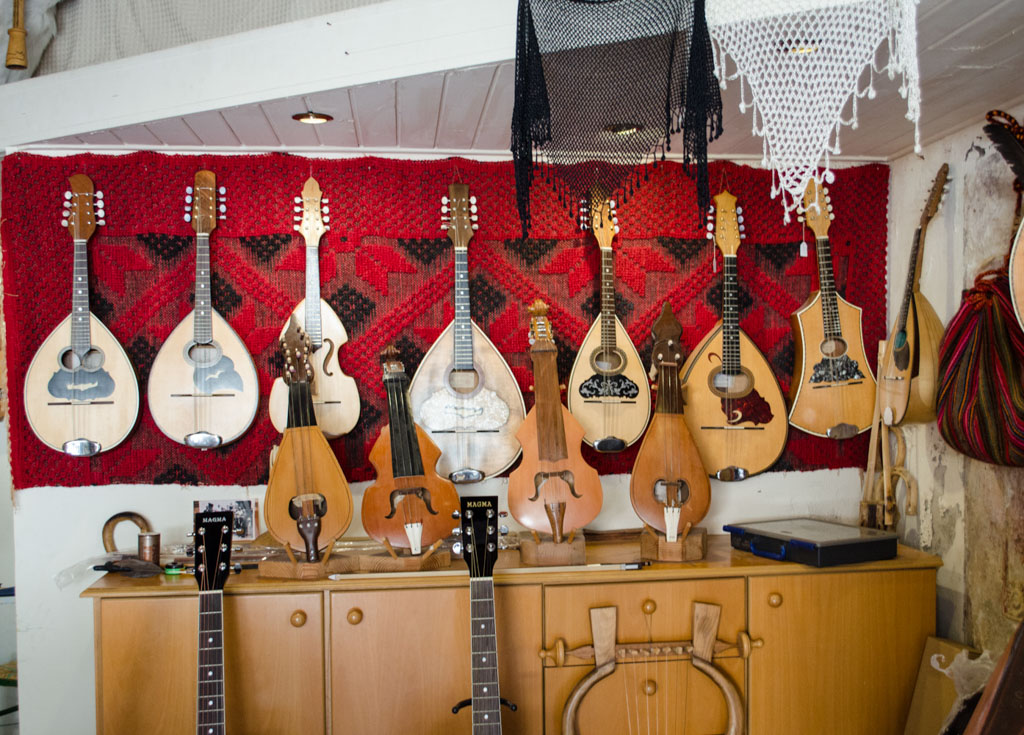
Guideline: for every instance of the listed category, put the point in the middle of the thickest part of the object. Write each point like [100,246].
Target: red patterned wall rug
[387,269]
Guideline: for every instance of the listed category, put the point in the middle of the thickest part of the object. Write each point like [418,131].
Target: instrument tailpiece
[203,440]
[466,474]
[731,474]
[81,448]
[610,444]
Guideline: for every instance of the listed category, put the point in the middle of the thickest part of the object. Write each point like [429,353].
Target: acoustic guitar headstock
[817,209]
[601,217]
[83,208]
[459,215]
[205,203]
[391,360]
[312,213]
[939,188]
[479,521]
[213,548]
[728,223]
[296,348]
[542,338]
[667,350]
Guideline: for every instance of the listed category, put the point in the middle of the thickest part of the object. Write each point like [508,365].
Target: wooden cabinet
[383,654]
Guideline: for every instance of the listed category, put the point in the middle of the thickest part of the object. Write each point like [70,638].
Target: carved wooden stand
[294,568]
[654,546]
[540,550]
[392,561]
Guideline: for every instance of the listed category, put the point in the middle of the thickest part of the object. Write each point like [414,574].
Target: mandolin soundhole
[608,362]
[91,360]
[463,382]
[203,355]
[726,385]
[833,347]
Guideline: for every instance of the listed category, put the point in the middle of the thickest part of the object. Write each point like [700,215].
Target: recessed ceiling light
[625,128]
[312,118]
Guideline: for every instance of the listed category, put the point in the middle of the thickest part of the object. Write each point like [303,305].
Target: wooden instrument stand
[294,568]
[692,545]
[392,561]
[540,550]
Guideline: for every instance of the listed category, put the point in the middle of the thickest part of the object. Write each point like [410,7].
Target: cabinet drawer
[567,610]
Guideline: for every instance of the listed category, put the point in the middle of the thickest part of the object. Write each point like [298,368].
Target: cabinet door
[841,651]
[400,660]
[274,663]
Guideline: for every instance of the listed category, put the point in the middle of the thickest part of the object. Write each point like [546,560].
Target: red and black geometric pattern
[388,272]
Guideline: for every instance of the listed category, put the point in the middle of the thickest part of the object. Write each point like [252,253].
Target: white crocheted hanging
[802,62]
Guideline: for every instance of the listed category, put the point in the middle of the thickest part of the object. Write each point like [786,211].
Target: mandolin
[81,393]
[608,390]
[409,505]
[553,488]
[833,389]
[308,502]
[908,373]
[669,486]
[335,396]
[463,392]
[212,567]
[202,386]
[734,405]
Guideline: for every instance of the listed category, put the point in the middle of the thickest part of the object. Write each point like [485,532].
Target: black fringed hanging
[601,87]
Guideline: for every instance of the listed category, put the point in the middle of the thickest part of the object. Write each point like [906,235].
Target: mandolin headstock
[312,213]
[83,208]
[459,215]
[667,350]
[296,349]
[939,188]
[728,223]
[542,338]
[601,217]
[205,203]
[391,360]
[817,209]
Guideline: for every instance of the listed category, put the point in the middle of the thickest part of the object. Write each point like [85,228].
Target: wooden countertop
[604,560]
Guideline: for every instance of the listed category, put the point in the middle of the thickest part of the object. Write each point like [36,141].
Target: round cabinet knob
[355,616]
[298,618]
[774,600]
[650,687]
[649,607]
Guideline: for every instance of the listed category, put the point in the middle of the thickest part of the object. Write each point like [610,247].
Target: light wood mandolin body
[818,407]
[106,419]
[909,394]
[305,464]
[753,433]
[377,499]
[226,403]
[335,396]
[480,441]
[522,482]
[623,417]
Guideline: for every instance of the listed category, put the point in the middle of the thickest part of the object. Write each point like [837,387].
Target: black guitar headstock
[213,549]
[479,521]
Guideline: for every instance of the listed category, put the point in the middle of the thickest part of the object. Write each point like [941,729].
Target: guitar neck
[405,446]
[463,325]
[313,326]
[484,648]
[911,286]
[730,317]
[81,339]
[827,288]
[210,693]
[203,325]
[607,299]
[550,428]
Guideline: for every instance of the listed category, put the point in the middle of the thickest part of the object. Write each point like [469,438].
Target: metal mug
[149,547]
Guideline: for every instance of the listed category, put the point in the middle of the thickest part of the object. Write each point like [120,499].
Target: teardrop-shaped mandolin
[669,486]
[409,505]
[308,503]
[553,488]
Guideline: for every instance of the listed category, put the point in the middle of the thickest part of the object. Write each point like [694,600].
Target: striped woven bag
[981,368]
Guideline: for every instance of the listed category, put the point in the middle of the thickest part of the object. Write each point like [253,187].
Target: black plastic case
[813,542]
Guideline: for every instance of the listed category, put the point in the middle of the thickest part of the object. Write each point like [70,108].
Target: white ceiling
[971,57]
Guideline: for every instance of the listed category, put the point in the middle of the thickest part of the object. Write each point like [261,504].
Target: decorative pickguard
[483,411]
[750,408]
[836,370]
[609,386]
[221,376]
[80,385]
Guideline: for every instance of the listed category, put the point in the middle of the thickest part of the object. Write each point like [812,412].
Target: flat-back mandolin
[81,393]
[308,504]
[734,405]
[553,488]
[409,505]
[833,389]
[909,371]
[203,391]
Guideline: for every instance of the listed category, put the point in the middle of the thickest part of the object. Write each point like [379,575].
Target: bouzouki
[553,488]
[81,393]
[479,532]
[608,390]
[463,392]
[734,405]
[409,505]
[335,396]
[669,485]
[833,389]
[203,391]
[212,566]
[908,373]
[308,504]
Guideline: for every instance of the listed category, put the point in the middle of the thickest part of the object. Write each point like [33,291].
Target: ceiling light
[623,128]
[312,118]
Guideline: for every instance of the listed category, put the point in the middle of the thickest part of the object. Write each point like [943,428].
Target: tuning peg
[188,208]
[222,216]
[298,200]
[223,208]
[325,200]
[296,209]
[66,213]
[101,222]
[616,229]
[67,195]
[188,199]
[295,227]
[457,531]
[444,227]
[99,195]
[800,218]
[615,220]
[472,209]
[739,217]
[100,213]
[326,219]
[709,235]
[739,211]
[188,217]
[444,200]
[456,515]
[611,203]
[222,191]
[831,216]
[476,226]
[188,189]
[711,209]
[457,547]
[742,228]
[63,223]
[444,209]
[473,217]
[742,236]
[325,209]
[503,530]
